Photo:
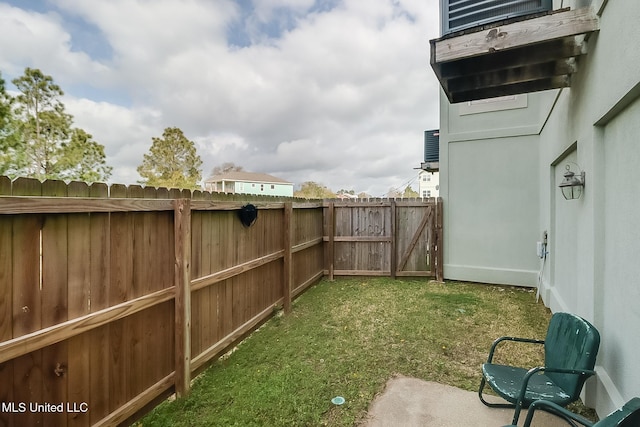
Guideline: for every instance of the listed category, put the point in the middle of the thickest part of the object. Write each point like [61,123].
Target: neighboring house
[249,183]
[429,176]
[566,90]
[346,196]
[429,185]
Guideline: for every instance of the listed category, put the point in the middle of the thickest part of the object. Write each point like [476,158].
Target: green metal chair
[627,416]
[570,350]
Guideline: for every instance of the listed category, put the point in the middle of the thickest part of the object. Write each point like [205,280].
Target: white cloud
[28,39]
[341,98]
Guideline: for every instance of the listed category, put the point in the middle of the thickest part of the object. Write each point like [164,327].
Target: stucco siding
[592,268]
[595,239]
[489,187]
[621,310]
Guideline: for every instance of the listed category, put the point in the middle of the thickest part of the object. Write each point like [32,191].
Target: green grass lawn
[347,338]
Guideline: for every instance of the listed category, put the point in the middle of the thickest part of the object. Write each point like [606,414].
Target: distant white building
[429,185]
[249,183]
[429,177]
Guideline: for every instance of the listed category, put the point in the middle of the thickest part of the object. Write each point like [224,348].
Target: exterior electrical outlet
[540,249]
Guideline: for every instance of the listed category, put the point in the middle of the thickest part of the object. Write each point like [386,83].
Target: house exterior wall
[251,187]
[264,188]
[429,184]
[489,161]
[595,124]
[517,158]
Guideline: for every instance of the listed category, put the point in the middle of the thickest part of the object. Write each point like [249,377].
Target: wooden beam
[307,205]
[182,240]
[225,342]
[331,231]
[415,202]
[41,338]
[297,291]
[551,51]
[287,265]
[129,409]
[510,76]
[212,205]
[362,273]
[306,245]
[358,204]
[415,273]
[13,205]
[394,241]
[518,34]
[372,239]
[227,273]
[439,255]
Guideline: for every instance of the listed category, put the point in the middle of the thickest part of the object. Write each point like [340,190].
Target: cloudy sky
[333,91]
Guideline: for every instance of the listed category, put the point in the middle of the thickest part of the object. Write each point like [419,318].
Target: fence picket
[27,369]
[383,238]
[100,278]
[129,279]
[78,304]
[54,306]
[6,303]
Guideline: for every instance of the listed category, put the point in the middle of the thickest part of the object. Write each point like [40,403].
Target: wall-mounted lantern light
[572,185]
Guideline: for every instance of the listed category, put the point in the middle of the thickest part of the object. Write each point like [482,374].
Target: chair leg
[516,413]
[483,382]
[560,415]
[541,407]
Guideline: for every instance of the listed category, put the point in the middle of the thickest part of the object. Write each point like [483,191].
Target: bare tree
[226,167]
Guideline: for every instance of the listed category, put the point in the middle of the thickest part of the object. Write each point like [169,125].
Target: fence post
[331,229]
[439,259]
[182,236]
[287,264]
[394,237]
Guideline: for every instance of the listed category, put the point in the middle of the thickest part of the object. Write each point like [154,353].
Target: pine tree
[48,147]
[44,123]
[11,157]
[172,162]
[83,159]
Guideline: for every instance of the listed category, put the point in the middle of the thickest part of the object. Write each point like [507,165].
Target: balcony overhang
[509,58]
[430,166]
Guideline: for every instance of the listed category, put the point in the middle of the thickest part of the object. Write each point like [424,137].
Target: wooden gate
[384,237]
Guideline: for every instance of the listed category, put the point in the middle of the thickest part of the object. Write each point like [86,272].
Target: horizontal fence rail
[384,237]
[114,297]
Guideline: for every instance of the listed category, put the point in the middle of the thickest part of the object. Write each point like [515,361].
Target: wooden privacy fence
[113,297]
[384,238]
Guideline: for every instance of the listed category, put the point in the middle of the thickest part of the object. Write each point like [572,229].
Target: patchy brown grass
[347,338]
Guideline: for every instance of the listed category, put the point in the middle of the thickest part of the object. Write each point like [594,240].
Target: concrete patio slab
[410,402]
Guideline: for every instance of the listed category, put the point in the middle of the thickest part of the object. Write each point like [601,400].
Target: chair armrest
[555,409]
[587,372]
[516,339]
[531,372]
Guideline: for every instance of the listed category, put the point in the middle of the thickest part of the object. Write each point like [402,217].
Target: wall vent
[431,146]
[460,14]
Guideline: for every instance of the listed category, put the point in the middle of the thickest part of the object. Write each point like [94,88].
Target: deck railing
[460,14]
